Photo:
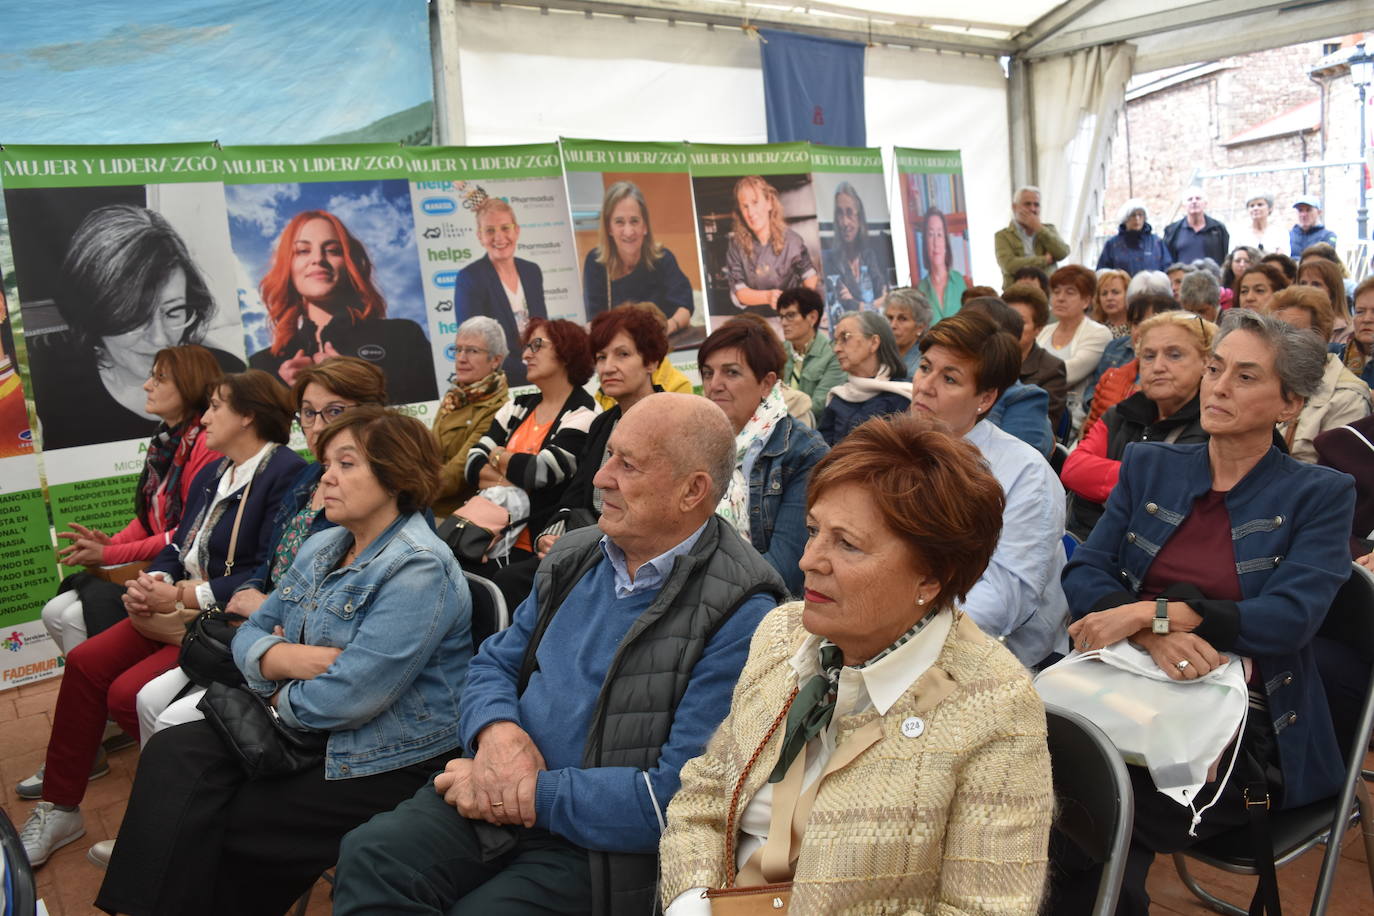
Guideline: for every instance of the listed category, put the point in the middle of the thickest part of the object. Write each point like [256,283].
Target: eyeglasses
[307,417]
[845,337]
[469,351]
[157,378]
[535,345]
[491,231]
[792,315]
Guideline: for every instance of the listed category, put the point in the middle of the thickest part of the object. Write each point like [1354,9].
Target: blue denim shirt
[402,614]
[777,497]
[1289,528]
[1118,353]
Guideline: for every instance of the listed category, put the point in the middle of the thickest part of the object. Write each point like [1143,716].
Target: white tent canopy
[1029,91]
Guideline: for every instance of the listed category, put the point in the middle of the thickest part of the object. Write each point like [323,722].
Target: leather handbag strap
[234,532]
[732,820]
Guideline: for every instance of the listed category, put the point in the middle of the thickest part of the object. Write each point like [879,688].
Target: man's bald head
[692,433]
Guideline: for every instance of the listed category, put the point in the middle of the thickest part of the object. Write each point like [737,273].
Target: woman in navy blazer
[499,285]
[1246,549]
[249,422]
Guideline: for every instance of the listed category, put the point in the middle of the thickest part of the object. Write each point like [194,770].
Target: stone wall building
[1254,111]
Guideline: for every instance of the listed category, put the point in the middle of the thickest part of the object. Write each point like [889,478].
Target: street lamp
[1362,75]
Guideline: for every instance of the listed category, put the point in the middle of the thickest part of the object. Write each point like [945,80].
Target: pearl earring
[920,601]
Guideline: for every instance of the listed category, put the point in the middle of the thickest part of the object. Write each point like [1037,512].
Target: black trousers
[199,838]
[425,858]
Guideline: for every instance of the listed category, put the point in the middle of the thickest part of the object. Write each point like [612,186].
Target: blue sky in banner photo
[237,71]
[378,213]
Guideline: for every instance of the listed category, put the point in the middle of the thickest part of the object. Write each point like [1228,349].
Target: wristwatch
[1161,622]
[181,597]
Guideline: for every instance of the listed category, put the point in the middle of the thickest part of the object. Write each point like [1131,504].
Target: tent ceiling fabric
[1166,32]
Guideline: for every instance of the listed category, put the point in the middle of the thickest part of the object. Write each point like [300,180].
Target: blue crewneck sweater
[609,809]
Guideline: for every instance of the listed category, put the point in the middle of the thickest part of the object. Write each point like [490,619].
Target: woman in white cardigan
[1074,337]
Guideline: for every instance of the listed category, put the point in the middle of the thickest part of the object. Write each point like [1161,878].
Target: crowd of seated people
[736,615]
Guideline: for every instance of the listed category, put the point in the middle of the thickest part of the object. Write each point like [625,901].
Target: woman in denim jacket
[740,365]
[368,638]
[1246,548]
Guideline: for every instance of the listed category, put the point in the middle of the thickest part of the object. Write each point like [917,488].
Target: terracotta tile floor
[68,883]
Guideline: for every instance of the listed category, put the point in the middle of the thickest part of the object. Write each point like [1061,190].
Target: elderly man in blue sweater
[578,717]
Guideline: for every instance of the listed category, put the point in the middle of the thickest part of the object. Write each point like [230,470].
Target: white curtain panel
[1075,100]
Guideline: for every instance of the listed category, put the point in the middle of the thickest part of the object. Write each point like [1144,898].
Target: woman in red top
[177,388]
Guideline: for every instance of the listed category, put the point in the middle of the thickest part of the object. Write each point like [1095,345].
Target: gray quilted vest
[650,670]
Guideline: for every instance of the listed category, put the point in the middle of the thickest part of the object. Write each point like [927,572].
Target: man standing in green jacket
[1027,242]
[817,370]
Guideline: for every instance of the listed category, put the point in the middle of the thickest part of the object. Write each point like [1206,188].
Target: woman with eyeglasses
[534,440]
[501,286]
[479,389]
[323,393]
[127,289]
[878,383]
[322,300]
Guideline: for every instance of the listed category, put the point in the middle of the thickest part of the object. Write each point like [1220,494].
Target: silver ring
[1182,665]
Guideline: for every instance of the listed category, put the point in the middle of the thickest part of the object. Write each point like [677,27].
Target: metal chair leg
[1366,807]
[1215,903]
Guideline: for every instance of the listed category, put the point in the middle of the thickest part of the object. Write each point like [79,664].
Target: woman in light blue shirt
[966,365]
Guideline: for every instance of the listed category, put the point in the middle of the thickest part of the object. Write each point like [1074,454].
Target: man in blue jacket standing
[578,717]
[1197,235]
[1309,230]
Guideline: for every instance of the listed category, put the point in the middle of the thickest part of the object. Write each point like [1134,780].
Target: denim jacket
[1289,525]
[777,497]
[402,614]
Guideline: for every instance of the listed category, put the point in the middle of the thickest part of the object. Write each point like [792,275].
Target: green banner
[443,163]
[274,164]
[105,503]
[107,166]
[848,159]
[722,160]
[621,156]
[927,161]
[28,576]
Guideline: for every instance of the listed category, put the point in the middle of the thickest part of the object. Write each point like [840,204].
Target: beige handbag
[170,626]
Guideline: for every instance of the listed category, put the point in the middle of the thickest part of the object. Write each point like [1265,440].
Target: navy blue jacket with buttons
[1289,526]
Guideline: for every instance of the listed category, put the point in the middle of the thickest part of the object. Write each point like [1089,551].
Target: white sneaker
[100,853]
[48,829]
[32,787]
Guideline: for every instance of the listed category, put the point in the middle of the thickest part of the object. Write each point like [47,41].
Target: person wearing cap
[1309,230]
[1262,233]
[1135,247]
[1196,235]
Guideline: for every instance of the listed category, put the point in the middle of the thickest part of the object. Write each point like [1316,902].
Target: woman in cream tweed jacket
[934,793]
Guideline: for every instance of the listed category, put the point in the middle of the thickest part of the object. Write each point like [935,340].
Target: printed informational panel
[855,228]
[636,235]
[495,241]
[931,183]
[119,252]
[327,264]
[756,217]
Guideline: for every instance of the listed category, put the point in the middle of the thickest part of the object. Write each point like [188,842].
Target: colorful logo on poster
[437,205]
[445,279]
[13,642]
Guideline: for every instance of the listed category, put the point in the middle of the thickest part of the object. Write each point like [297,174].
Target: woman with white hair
[478,390]
[878,383]
[1261,233]
[1135,247]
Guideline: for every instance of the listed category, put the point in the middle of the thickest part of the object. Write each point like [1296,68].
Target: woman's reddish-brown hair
[1077,276]
[932,488]
[570,343]
[285,307]
[644,329]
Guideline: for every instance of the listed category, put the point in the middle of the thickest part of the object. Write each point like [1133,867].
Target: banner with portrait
[635,231]
[119,252]
[27,575]
[855,228]
[495,241]
[931,185]
[757,221]
[327,265]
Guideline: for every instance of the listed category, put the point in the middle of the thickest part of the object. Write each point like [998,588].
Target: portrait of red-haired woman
[322,301]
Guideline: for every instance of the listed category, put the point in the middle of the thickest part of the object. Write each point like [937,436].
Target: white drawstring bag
[1176,729]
